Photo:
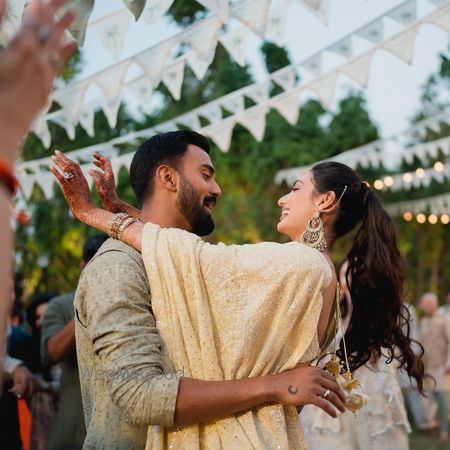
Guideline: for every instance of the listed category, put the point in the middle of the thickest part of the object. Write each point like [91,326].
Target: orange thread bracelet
[7,177]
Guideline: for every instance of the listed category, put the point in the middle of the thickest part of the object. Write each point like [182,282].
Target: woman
[382,424]
[264,308]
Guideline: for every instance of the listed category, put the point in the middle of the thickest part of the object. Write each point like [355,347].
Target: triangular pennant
[373,32]
[199,65]
[318,7]
[203,37]
[254,119]
[40,129]
[313,64]
[135,6]
[402,45]
[211,112]
[12,20]
[71,99]
[276,25]
[406,13]
[46,182]
[253,14]
[441,18]
[358,69]
[221,133]
[154,10]
[86,119]
[112,31]
[65,122]
[218,7]
[142,91]
[110,106]
[236,44]
[285,77]
[173,77]
[83,10]
[189,120]
[344,47]
[153,60]
[325,88]
[116,165]
[259,92]
[26,183]
[233,103]
[288,105]
[85,169]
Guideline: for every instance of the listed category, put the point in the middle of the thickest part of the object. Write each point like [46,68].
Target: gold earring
[314,235]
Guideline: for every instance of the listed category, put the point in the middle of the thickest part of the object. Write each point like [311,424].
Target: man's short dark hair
[167,148]
[91,246]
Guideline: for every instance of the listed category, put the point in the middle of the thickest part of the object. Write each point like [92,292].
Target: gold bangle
[124,225]
[113,225]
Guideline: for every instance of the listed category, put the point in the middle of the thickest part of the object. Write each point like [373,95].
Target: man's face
[198,190]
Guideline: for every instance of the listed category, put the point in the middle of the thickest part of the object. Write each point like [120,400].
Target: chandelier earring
[314,235]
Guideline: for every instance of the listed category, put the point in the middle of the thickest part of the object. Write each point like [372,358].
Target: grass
[427,441]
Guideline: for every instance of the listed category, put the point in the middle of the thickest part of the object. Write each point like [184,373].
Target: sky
[393,91]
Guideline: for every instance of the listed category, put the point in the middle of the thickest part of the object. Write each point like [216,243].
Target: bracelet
[116,226]
[8,178]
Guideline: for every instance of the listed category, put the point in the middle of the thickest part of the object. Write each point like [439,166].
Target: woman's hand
[105,183]
[74,186]
[28,66]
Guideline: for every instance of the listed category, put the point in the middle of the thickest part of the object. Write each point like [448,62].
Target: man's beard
[190,206]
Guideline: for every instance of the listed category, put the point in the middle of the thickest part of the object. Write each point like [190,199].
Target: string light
[421,218]
[378,184]
[407,177]
[407,216]
[420,172]
[438,166]
[433,219]
[445,219]
[388,181]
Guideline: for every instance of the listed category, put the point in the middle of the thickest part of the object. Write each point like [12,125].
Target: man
[435,334]
[58,346]
[127,379]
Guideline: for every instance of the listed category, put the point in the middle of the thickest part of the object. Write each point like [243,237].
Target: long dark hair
[380,319]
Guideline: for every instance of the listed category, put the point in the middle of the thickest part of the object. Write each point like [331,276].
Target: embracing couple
[184,344]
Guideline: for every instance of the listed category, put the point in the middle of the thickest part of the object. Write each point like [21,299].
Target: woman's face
[298,207]
[40,312]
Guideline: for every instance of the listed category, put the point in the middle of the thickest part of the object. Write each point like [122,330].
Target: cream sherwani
[228,312]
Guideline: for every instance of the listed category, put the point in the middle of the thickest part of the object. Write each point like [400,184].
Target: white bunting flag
[313,64]
[12,20]
[254,119]
[233,103]
[219,7]
[83,10]
[221,133]
[203,38]
[276,24]
[112,30]
[46,182]
[135,6]
[259,92]
[402,45]
[288,105]
[153,61]
[190,120]
[325,88]
[318,7]
[236,44]
[344,47]
[253,14]
[211,112]
[26,183]
[67,123]
[373,32]
[173,77]
[142,91]
[441,18]
[406,13]
[86,118]
[285,78]
[154,10]
[71,99]
[40,129]
[199,65]
[359,68]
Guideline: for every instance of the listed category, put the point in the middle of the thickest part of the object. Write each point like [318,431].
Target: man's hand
[105,183]
[25,383]
[308,385]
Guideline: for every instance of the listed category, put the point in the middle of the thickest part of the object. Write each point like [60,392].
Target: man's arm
[60,345]
[122,329]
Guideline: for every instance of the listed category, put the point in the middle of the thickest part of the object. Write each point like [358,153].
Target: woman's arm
[78,196]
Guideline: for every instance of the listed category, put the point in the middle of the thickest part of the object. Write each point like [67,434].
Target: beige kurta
[229,312]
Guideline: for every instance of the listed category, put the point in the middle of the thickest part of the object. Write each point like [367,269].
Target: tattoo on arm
[292,389]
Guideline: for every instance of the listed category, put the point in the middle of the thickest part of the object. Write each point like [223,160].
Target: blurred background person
[58,346]
[382,424]
[435,335]
[29,64]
